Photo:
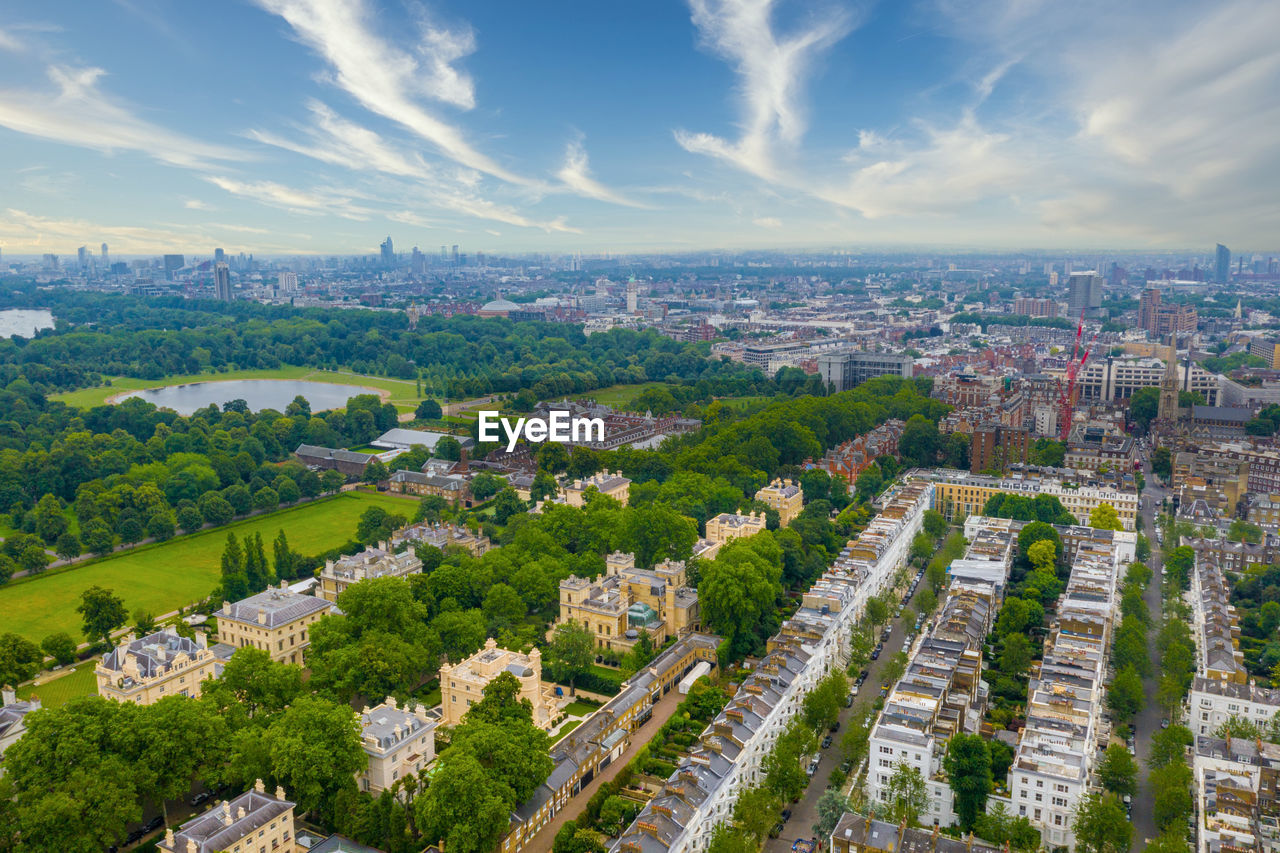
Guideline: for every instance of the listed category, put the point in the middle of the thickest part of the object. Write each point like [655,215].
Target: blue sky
[321,126]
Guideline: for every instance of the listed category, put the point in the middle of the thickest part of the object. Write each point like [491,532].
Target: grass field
[64,688]
[403,391]
[161,578]
[568,727]
[618,395]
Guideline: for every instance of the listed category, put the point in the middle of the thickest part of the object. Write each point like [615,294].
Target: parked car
[153,824]
[199,798]
[1164,724]
[786,815]
[826,742]
[813,765]
[834,727]
[848,700]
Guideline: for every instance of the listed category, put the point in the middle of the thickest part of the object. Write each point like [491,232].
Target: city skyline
[319,127]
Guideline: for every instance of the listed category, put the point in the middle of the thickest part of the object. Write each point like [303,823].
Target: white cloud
[337,141]
[576,174]
[195,204]
[307,202]
[767,222]
[388,81]
[22,231]
[79,113]
[771,70]
[8,42]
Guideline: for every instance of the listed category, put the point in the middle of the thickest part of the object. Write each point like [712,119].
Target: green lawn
[619,395]
[403,392]
[579,708]
[173,574]
[568,727]
[79,682]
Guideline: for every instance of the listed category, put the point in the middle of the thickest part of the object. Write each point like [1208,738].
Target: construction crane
[1067,392]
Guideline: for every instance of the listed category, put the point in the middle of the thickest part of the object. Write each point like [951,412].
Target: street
[1148,720]
[804,814]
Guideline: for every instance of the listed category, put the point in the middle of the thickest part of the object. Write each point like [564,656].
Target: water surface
[258,393]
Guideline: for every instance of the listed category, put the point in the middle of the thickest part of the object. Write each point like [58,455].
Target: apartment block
[12,717]
[729,754]
[960,493]
[1264,463]
[277,620]
[611,484]
[442,536]
[941,693]
[1117,379]
[462,685]
[399,742]
[856,833]
[626,600]
[729,525]
[1064,728]
[994,447]
[850,368]
[253,822]
[146,670]
[379,562]
[852,457]
[1236,786]
[784,497]
[1095,451]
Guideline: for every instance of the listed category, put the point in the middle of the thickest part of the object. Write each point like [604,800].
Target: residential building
[960,493]
[13,715]
[399,742]
[625,601]
[379,562]
[1236,785]
[146,670]
[994,447]
[1092,449]
[462,685]
[852,457]
[942,694]
[1117,379]
[849,368]
[442,536]
[1264,510]
[728,525]
[1027,306]
[347,462]
[1162,320]
[1064,730]
[864,834]
[1084,295]
[604,736]
[452,487]
[729,754]
[253,822]
[1267,349]
[784,497]
[612,485]
[1264,463]
[276,620]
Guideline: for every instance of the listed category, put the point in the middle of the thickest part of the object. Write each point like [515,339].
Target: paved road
[661,713]
[1148,721]
[804,814]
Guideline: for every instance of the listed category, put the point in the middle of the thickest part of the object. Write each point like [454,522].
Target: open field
[64,688]
[402,392]
[161,578]
[619,395]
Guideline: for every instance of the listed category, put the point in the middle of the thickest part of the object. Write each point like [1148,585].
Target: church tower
[1168,410]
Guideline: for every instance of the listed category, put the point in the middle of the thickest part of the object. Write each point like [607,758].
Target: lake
[258,393]
[24,322]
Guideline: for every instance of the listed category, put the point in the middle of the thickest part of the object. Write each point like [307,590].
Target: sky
[323,126]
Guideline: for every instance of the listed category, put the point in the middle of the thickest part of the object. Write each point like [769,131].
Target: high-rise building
[1222,263]
[444,253]
[632,295]
[455,253]
[1028,306]
[1148,305]
[288,282]
[222,282]
[994,447]
[850,368]
[1162,320]
[173,263]
[418,262]
[1084,295]
[106,261]
[82,258]
[219,256]
[388,253]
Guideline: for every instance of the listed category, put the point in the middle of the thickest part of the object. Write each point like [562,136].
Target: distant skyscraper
[105,257]
[82,258]
[173,263]
[219,256]
[288,282]
[417,262]
[455,253]
[388,254]
[1222,265]
[1084,295]
[50,261]
[222,282]
[632,295]
[444,253]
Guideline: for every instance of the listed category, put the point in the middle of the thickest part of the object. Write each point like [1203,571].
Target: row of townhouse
[729,754]
[1064,730]
[941,693]
[1237,787]
[959,493]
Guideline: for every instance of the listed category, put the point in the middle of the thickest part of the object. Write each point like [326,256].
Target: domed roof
[500,305]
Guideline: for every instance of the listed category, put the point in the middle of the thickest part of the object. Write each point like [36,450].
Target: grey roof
[11,715]
[278,606]
[212,832]
[336,453]
[153,653]
[400,437]
[1221,413]
[338,844]
[383,722]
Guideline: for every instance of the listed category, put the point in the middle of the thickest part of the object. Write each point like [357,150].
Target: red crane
[1067,393]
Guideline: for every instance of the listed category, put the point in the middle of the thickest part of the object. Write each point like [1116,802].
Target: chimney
[240,813]
[226,607]
[259,787]
[202,639]
[168,837]
[262,616]
[8,695]
[226,813]
[192,847]
[280,792]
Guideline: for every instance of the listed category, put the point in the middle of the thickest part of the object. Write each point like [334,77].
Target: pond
[24,322]
[258,393]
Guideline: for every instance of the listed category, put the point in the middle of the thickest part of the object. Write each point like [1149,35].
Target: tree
[253,685]
[783,774]
[572,652]
[287,490]
[503,608]
[1162,462]
[919,442]
[895,667]
[877,612]
[1168,746]
[485,485]
[266,499]
[822,704]
[935,523]
[235,583]
[1117,771]
[1101,826]
[102,612]
[183,737]
[756,811]
[461,632]
[60,647]
[1015,655]
[1126,697]
[67,547]
[50,522]
[428,410]
[331,480]
[1042,556]
[906,795]
[19,659]
[506,505]
[1171,787]
[1104,517]
[853,744]
[96,538]
[144,624]
[33,559]
[1144,405]
[190,519]
[214,509]
[968,767]
[831,806]
[739,588]
[448,448]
